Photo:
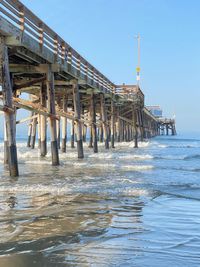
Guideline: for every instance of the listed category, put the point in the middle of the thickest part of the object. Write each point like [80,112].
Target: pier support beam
[51,108]
[33,133]
[58,132]
[10,118]
[118,129]
[104,121]
[5,145]
[93,126]
[112,124]
[43,121]
[135,127]
[64,125]
[77,112]
[29,132]
[72,134]
[39,131]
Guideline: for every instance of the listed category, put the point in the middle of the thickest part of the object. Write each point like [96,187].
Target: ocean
[122,207]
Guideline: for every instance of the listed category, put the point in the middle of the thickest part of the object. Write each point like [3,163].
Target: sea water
[122,207]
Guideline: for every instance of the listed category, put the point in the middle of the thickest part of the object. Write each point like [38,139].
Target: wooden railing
[131,92]
[20,16]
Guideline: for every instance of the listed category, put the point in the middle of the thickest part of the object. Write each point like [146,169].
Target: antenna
[138,65]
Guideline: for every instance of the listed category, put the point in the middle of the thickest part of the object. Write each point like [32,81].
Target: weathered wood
[28,83]
[135,127]
[29,133]
[90,125]
[118,126]
[76,100]
[51,109]
[33,132]
[58,132]
[64,125]
[43,126]
[6,158]
[10,119]
[39,130]
[112,124]
[26,119]
[100,129]
[72,134]
[104,121]
[93,126]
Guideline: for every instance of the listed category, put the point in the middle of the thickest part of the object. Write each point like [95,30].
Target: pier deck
[42,73]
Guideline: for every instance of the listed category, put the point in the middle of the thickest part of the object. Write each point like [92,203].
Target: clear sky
[103,32]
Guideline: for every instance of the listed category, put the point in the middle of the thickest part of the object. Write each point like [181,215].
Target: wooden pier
[41,73]
[165,126]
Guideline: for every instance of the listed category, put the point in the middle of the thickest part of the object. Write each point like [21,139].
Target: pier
[43,74]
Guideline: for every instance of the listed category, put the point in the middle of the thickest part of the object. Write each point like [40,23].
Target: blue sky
[103,32]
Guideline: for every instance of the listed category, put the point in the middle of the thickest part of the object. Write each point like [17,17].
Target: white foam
[101,156]
[102,165]
[162,146]
[36,162]
[9,236]
[136,157]
[35,189]
[137,167]
[140,144]
[136,192]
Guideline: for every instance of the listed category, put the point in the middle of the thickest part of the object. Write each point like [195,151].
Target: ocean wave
[101,156]
[162,146]
[196,156]
[9,236]
[36,189]
[137,167]
[136,157]
[135,192]
[140,144]
[170,157]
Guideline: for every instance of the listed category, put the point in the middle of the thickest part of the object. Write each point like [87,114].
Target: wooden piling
[39,131]
[51,108]
[5,145]
[33,133]
[77,112]
[72,134]
[135,127]
[58,131]
[43,121]
[10,118]
[64,125]
[112,126]
[29,132]
[104,121]
[93,126]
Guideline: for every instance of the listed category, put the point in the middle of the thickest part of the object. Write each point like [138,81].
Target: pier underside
[41,73]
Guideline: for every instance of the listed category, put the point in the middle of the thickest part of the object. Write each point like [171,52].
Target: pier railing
[21,17]
[132,92]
